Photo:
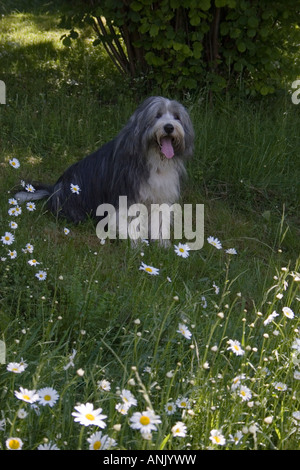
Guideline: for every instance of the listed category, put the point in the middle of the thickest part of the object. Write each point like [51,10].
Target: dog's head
[165,125]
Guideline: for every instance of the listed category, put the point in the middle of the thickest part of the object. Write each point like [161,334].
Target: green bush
[188,45]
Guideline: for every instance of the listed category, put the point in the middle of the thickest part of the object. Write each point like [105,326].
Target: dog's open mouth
[166,146]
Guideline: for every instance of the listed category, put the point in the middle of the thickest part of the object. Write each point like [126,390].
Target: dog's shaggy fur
[145,162]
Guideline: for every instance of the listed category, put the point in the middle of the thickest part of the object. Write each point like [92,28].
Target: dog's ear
[188,132]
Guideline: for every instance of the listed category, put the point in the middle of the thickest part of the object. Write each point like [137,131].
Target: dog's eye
[177,117]
[159,115]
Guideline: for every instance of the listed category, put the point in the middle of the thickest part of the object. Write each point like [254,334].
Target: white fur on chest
[163,184]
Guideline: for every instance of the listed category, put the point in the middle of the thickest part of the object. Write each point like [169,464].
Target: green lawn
[115,321]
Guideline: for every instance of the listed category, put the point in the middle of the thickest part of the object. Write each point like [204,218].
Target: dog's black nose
[168,128]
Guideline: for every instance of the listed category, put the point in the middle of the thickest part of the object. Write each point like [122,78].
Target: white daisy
[12,254]
[48,396]
[235,347]
[98,441]
[15,367]
[128,398]
[14,443]
[245,393]
[14,162]
[149,269]
[75,188]
[104,385]
[237,437]
[33,262]
[48,446]
[30,188]
[8,238]
[217,437]
[215,242]
[15,211]
[13,225]
[13,202]
[179,429]
[231,251]
[30,396]
[280,386]
[182,250]
[66,231]
[87,416]
[31,206]
[271,317]
[28,248]
[170,408]
[288,312]
[183,402]
[41,275]
[184,331]
[145,422]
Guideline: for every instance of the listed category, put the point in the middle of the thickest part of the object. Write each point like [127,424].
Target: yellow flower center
[90,417]
[97,445]
[183,404]
[149,270]
[26,397]
[47,397]
[7,237]
[217,439]
[14,444]
[181,250]
[144,420]
[243,393]
[236,347]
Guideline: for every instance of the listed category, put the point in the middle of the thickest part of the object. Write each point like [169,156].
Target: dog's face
[166,126]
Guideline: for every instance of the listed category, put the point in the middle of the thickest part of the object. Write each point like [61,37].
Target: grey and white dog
[144,162]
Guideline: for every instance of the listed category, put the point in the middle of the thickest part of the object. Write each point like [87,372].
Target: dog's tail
[40,192]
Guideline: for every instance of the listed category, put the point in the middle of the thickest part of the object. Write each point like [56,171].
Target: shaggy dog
[144,162]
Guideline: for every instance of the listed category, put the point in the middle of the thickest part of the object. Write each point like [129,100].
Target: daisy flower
[184,331]
[170,408]
[48,446]
[30,396]
[15,367]
[75,188]
[271,317]
[33,262]
[179,429]
[280,386]
[237,437]
[13,225]
[231,251]
[66,231]
[122,408]
[8,238]
[14,162]
[22,414]
[98,441]
[30,206]
[215,242]
[15,211]
[30,188]
[14,443]
[145,422]
[48,396]
[13,202]
[217,437]
[149,269]
[245,393]
[182,250]
[288,312]
[235,347]
[87,416]
[12,254]
[182,402]
[28,248]
[128,398]
[104,385]
[41,275]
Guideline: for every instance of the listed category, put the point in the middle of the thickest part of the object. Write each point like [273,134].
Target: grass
[120,323]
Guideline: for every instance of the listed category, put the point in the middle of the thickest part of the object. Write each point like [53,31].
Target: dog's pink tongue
[167,147]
